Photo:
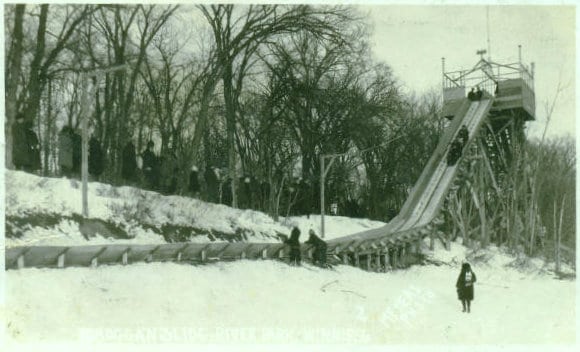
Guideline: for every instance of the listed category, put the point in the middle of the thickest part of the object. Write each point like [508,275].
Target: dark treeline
[236,108]
[236,104]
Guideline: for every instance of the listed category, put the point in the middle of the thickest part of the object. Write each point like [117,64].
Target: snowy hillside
[46,211]
[271,302]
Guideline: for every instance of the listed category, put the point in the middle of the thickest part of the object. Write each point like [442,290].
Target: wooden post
[84,147]
[243,255]
[344,258]
[322,176]
[95,258]
[265,253]
[369,262]
[386,259]
[61,259]
[378,261]
[356,260]
[20,261]
[125,257]
[203,255]
[179,254]
[149,257]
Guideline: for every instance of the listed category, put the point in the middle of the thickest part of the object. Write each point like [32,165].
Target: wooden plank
[113,254]
[20,261]
[81,255]
[125,256]
[61,259]
[168,252]
[234,250]
[43,256]
[142,253]
[216,250]
[255,251]
[192,253]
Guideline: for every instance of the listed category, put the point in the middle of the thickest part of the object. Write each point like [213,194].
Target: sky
[413,39]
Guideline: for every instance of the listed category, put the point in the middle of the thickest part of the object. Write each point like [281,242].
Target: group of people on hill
[318,245]
[70,154]
[457,146]
[25,146]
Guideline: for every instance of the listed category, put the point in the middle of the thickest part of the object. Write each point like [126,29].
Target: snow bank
[137,211]
[271,302]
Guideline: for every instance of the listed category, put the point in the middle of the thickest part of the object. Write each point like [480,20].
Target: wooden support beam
[95,258]
[203,255]
[222,251]
[20,261]
[60,260]
[179,253]
[125,256]
[149,257]
[265,253]
[344,258]
[369,262]
[378,262]
[386,259]
[356,260]
[243,255]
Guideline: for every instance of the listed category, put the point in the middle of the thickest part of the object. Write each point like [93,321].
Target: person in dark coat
[33,148]
[227,192]
[471,94]
[212,183]
[25,146]
[77,153]
[464,286]
[96,164]
[294,243]
[193,186]
[463,136]
[454,153]
[150,167]
[65,151]
[478,94]
[319,254]
[129,167]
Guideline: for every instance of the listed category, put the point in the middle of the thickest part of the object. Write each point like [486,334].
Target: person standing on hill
[464,286]
[150,167]
[294,243]
[96,162]
[129,165]
[319,254]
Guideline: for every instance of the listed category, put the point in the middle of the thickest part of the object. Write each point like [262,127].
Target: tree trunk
[231,128]
[12,77]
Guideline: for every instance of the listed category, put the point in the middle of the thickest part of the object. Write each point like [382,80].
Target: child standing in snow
[464,286]
[294,244]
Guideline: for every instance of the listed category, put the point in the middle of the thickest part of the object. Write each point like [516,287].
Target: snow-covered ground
[517,301]
[271,302]
[28,195]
